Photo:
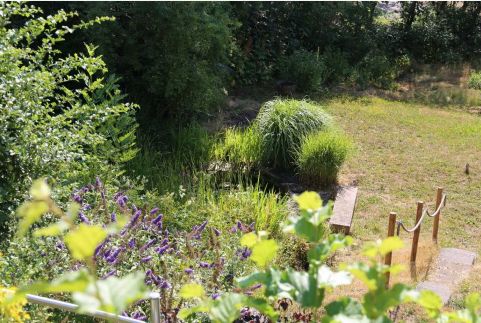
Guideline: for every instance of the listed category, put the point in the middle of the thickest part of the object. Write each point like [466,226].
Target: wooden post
[439,198]
[390,233]
[417,232]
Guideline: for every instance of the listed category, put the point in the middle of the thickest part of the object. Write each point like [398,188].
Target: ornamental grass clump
[282,124]
[320,157]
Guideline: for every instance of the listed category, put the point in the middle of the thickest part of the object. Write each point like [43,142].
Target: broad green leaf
[30,212]
[227,307]
[69,282]
[112,294]
[263,252]
[185,312]
[321,251]
[40,190]
[345,306]
[258,277]
[192,291]
[368,275]
[430,301]
[83,240]
[326,277]
[52,230]
[390,244]
[473,302]
[306,291]
[248,240]
[308,201]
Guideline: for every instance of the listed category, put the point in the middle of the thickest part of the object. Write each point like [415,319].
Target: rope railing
[421,213]
[400,224]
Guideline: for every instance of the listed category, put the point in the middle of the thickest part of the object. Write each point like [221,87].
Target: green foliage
[172,56]
[111,294]
[62,116]
[375,69]
[320,157]
[240,149]
[305,69]
[474,81]
[282,125]
[309,288]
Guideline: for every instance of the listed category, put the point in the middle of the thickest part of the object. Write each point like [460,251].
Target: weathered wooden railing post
[439,198]
[390,233]
[417,232]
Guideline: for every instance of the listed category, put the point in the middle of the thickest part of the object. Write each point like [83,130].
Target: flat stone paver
[343,212]
[451,267]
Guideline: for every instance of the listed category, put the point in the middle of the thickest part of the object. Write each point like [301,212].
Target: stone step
[451,267]
[343,211]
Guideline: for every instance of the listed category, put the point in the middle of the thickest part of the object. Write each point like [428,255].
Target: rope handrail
[400,224]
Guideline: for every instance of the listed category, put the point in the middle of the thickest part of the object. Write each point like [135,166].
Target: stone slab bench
[451,267]
[343,212]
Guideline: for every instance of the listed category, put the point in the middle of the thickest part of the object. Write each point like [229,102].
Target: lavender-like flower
[77,198]
[158,219]
[245,253]
[83,218]
[113,257]
[202,226]
[204,264]
[215,296]
[110,273]
[154,211]
[132,243]
[147,245]
[165,285]
[138,316]
[217,232]
[162,250]
[98,183]
[189,271]
[113,217]
[146,259]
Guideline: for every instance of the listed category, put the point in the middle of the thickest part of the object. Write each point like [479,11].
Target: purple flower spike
[154,211]
[158,219]
[113,217]
[165,285]
[110,273]
[204,264]
[189,271]
[233,229]
[146,259]
[83,218]
[98,183]
[77,198]
[217,232]
[132,243]
[147,245]
[162,250]
[202,226]
[135,217]
[148,273]
[215,296]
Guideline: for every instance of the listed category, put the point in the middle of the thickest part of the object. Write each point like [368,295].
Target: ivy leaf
[192,291]
[84,239]
[112,294]
[40,190]
[30,212]
[263,252]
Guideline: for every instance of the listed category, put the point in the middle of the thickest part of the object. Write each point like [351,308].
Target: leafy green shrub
[377,70]
[62,116]
[320,156]
[282,124]
[305,69]
[336,64]
[240,148]
[474,81]
[172,56]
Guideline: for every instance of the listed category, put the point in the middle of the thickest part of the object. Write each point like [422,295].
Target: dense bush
[172,56]
[305,69]
[282,124]
[320,156]
[61,117]
[474,81]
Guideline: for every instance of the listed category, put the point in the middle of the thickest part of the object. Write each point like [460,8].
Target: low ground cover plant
[320,157]
[474,81]
[305,69]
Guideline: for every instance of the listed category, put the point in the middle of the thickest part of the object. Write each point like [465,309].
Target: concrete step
[343,211]
[451,267]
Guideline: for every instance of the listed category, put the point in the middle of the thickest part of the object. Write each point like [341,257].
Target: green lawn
[403,152]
